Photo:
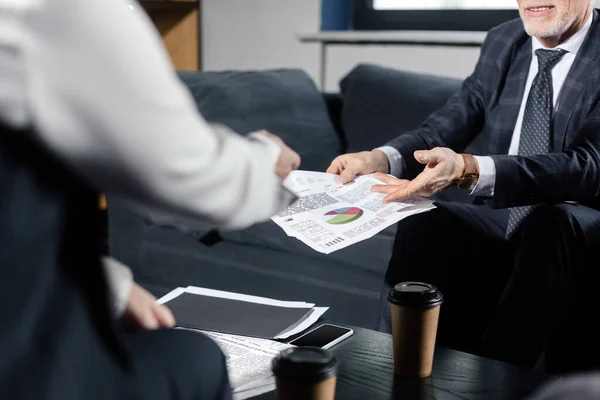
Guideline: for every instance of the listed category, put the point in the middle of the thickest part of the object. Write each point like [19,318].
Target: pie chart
[343,215]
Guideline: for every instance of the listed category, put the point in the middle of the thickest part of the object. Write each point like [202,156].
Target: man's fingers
[164,316]
[349,166]
[385,189]
[390,180]
[146,319]
[347,175]
[392,183]
[296,160]
[400,194]
[415,187]
[428,156]
[335,167]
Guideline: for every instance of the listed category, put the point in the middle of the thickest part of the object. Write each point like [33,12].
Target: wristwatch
[470,174]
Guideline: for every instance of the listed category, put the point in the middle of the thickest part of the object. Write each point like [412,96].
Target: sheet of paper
[246,297]
[304,183]
[330,216]
[248,360]
[171,295]
[255,389]
[304,323]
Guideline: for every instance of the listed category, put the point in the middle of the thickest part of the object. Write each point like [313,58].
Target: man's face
[551,18]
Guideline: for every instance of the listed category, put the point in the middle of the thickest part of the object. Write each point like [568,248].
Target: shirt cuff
[487,177]
[273,147]
[394,158]
[120,281]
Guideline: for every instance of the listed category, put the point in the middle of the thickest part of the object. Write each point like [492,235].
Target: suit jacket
[486,110]
[58,339]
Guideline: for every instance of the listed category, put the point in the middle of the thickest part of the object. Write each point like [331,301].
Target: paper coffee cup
[415,310]
[305,373]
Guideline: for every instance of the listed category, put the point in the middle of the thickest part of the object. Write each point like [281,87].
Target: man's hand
[142,311]
[348,166]
[288,160]
[443,167]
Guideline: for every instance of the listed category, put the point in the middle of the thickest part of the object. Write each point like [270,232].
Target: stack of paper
[240,314]
[248,358]
[329,215]
[248,363]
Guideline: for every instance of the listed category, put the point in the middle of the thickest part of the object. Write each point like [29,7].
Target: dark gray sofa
[374,104]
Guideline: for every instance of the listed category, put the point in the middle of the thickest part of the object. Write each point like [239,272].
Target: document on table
[235,313]
[330,216]
[248,362]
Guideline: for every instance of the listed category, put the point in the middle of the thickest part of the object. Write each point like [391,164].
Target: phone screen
[321,336]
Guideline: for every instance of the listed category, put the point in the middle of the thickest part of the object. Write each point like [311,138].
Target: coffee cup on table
[305,373]
[415,308]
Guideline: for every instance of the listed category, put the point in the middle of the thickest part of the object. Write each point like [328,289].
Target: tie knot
[547,59]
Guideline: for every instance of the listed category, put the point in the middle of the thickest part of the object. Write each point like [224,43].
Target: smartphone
[324,336]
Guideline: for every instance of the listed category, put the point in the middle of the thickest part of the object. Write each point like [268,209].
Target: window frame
[366,18]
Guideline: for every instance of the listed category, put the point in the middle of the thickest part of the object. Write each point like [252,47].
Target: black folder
[235,317]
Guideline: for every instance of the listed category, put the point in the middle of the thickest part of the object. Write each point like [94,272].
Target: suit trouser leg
[460,248]
[177,364]
[549,303]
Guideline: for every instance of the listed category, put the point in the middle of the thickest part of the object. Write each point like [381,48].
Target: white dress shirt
[487,168]
[95,81]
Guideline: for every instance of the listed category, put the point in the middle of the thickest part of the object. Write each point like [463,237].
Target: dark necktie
[537,122]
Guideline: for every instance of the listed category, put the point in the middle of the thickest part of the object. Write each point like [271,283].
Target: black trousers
[176,364]
[508,300]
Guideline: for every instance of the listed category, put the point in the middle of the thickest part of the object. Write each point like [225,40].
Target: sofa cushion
[381,103]
[285,102]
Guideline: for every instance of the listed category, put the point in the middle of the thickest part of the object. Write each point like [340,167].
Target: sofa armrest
[335,103]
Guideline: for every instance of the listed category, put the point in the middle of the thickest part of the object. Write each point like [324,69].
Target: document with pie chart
[344,215]
[329,216]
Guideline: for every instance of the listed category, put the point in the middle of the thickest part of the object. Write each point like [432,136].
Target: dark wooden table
[367,364]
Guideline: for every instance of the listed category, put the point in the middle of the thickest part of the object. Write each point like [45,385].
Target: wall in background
[437,60]
[262,34]
[259,34]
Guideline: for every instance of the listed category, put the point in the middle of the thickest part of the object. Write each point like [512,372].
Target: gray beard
[556,29]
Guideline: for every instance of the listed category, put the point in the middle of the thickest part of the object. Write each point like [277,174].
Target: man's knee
[550,250]
[210,351]
[550,220]
[205,362]
[174,363]
[202,352]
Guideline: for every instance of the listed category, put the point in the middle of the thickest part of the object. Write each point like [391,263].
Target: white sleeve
[394,158]
[487,177]
[105,98]
[120,280]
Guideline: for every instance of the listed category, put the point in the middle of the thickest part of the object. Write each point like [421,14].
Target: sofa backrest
[381,103]
[285,102]
[374,105]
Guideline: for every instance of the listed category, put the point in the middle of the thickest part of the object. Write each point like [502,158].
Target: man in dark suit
[516,265]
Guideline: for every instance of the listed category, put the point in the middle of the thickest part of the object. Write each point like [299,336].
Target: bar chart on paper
[334,242]
[344,215]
